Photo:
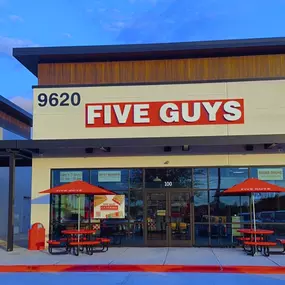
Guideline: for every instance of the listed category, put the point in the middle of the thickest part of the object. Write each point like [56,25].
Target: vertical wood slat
[156,71]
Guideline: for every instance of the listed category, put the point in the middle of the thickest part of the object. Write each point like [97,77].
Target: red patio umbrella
[77,188]
[251,186]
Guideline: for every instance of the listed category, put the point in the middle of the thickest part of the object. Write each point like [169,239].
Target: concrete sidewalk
[144,256]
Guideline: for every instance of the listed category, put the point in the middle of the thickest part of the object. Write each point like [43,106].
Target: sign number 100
[63,99]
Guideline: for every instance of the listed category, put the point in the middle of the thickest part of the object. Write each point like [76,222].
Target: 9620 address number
[63,99]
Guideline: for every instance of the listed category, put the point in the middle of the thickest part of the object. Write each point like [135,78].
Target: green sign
[270,173]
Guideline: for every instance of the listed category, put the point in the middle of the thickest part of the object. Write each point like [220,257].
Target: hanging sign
[109,206]
[270,174]
[70,176]
[109,176]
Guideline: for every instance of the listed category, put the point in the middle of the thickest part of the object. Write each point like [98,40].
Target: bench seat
[248,239]
[84,243]
[260,243]
[88,245]
[56,244]
[259,246]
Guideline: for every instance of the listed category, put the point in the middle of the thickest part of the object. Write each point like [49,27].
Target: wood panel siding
[158,71]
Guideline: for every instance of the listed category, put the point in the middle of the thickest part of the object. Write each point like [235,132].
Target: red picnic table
[257,240]
[80,239]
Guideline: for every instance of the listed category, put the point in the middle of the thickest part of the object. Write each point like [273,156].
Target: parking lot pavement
[139,278]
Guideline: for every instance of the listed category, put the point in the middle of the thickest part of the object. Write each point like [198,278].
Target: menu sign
[70,176]
[270,173]
[109,206]
[109,176]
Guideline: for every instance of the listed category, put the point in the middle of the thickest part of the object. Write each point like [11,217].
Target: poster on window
[70,176]
[109,206]
[109,176]
[270,174]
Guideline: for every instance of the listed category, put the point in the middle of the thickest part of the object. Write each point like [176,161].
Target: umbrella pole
[254,218]
[78,221]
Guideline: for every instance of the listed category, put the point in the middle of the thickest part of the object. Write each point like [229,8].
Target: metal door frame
[168,241]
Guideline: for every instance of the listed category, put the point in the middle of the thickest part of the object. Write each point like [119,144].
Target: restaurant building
[170,126]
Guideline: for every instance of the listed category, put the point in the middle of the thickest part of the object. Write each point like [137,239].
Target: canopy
[253,185]
[78,187]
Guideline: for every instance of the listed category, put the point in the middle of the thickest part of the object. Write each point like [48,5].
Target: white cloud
[67,35]
[16,18]
[115,26]
[7,44]
[24,103]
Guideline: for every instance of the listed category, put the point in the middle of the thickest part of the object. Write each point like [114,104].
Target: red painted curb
[143,268]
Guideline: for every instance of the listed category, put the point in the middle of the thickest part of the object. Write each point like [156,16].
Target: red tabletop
[256,232]
[78,232]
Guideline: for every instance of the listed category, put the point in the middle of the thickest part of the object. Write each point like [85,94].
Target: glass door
[180,217]
[168,218]
[156,214]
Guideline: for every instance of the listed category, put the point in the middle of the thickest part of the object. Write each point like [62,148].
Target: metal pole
[10,232]
[78,221]
[254,219]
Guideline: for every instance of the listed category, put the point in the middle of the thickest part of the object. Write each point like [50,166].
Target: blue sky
[90,22]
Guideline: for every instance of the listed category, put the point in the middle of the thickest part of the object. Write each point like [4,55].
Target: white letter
[141,111]
[107,114]
[91,114]
[196,112]
[174,116]
[234,114]
[212,110]
[122,116]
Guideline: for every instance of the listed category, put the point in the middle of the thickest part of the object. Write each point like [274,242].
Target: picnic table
[256,240]
[78,240]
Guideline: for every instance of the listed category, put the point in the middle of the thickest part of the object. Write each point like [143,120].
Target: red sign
[181,113]
[109,208]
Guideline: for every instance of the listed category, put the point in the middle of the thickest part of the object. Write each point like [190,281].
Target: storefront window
[66,208]
[111,179]
[222,209]
[224,178]
[136,178]
[225,218]
[216,217]
[136,206]
[168,178]
[200,178]
[201,203]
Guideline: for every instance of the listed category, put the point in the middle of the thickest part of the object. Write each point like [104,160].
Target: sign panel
[109,206]
[109,176]
[70,176]
[192,110]
[270,174]
[165,113]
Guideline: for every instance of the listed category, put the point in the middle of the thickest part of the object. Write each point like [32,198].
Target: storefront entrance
[168,217]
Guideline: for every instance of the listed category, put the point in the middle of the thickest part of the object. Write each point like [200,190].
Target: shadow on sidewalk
[20,241]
